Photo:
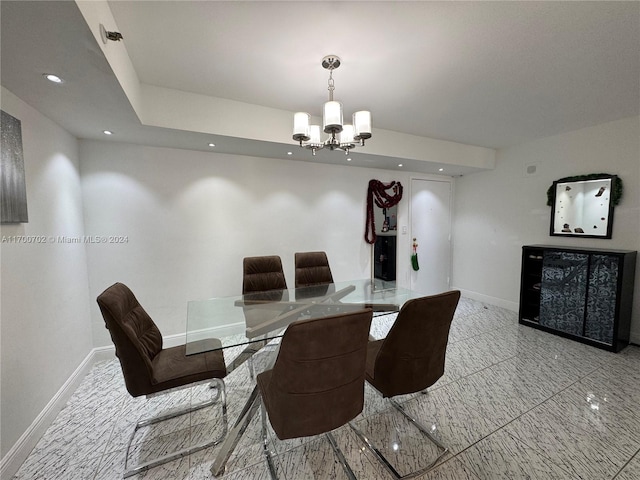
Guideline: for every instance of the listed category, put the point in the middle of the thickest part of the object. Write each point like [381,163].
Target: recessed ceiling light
[441,169]
[107,132]
[52,78]
[289,153]
[399,164]
[212,144]
[348,159]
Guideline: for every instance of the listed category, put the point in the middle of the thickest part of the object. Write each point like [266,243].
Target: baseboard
[16,456]
[173,340]
[498,302]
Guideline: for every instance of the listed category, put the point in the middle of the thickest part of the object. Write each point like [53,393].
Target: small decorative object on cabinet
[579,293]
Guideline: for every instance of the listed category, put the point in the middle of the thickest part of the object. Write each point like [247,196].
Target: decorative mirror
[583,206]
[381,231]
[384,248]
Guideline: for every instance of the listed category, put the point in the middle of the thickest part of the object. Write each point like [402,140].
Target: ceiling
[489,74]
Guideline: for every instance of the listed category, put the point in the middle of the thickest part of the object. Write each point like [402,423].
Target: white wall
[46,332]
[498,212]
[190,217]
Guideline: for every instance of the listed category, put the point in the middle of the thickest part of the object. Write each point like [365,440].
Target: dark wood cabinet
[579,293]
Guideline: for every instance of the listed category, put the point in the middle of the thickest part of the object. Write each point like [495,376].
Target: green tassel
[414,262]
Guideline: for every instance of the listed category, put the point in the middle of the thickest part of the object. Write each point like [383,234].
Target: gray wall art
[13,190]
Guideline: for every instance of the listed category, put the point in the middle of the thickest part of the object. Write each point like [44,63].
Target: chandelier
[342,137]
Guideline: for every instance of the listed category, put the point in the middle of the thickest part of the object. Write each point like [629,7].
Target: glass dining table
[253,320]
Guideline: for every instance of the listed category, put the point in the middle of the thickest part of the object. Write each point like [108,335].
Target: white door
[431,227]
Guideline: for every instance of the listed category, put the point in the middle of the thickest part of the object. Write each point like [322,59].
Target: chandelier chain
[331,87]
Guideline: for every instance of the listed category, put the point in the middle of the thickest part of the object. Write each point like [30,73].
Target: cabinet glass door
[563,291]
[601,301]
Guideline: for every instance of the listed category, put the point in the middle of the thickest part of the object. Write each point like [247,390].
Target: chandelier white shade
[332,117]
[315,136]
[342,136]
[362,124]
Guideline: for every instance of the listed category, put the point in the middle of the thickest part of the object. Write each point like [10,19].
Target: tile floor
[514,403]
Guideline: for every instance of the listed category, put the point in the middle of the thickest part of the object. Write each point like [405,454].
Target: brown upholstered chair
[317,382]
[150,369]
[312,268]
[261,274]
[411,358]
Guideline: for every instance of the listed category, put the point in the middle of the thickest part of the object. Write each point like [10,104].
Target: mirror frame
[576,182]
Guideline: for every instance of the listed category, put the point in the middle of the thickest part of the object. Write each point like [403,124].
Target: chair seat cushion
[173,368]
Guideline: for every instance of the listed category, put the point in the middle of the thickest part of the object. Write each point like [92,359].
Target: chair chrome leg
[235,434]
[217,393]
[343,461]
[382,459]
[372,448]
[176,413]
[420,427]
[220,394]
[248,411]
[265,443]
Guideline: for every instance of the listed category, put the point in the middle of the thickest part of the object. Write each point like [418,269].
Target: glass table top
[229,321]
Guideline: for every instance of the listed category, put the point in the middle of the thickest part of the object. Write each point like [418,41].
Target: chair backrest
[412,355]
[312,268]
[261,274]
[135,336]
[317,382]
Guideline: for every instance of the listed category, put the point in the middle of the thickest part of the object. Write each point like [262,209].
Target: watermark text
[63,239]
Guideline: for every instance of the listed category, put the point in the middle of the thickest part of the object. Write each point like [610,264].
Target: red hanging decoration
[378,190]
